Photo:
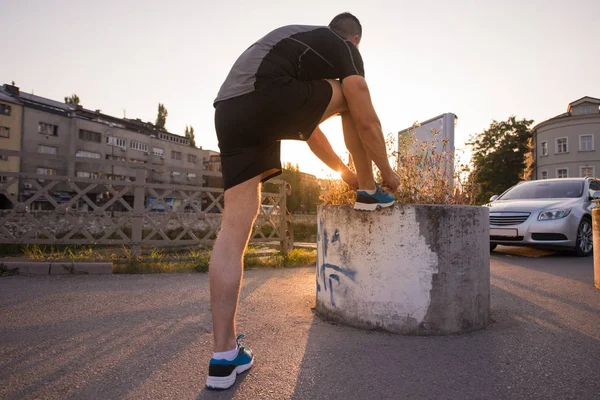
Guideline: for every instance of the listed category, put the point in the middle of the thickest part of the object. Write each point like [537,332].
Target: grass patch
[159,261]
[10,249]
[198,261]
[295,258]
[73,253]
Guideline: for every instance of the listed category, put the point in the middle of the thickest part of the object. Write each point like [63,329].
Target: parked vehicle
[548,213]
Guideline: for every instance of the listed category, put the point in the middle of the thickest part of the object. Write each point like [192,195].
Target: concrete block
[408,269]
[94,268]
[29,268]
[80,268]
[61,268]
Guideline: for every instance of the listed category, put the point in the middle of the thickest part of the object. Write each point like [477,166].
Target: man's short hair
[346,25]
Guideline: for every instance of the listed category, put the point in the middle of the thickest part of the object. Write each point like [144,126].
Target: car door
[594,187]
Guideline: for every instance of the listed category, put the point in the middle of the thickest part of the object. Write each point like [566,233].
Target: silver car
[548,213]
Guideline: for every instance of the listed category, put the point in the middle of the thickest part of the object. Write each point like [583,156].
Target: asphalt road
[147,337]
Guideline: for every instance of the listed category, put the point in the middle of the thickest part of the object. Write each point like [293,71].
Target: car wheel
[584,246]
[493,246]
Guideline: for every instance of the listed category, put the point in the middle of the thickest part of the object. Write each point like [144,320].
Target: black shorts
[250,127]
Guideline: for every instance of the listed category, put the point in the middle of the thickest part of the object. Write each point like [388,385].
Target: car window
[545,190]
[594,186]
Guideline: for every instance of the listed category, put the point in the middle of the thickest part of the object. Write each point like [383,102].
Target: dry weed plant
[429,172]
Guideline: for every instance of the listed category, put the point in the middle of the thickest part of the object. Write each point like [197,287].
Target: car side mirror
[495,197]
[595,195]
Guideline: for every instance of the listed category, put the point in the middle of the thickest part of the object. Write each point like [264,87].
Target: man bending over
[281,88]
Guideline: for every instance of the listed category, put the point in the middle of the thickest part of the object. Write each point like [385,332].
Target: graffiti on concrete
[328,273]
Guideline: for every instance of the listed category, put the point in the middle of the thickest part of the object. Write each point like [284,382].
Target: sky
[480,60]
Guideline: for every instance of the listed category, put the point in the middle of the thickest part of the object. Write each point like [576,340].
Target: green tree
[73,99]
[189,133]
[499,157]
[161,118]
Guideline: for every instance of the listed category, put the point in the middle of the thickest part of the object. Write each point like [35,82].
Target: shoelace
[380,190]
[240,337]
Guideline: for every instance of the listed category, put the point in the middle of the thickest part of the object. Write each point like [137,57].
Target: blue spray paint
[332,277]
[334,270]
[336,236]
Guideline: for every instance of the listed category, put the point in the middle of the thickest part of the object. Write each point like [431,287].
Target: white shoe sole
[372,207]
[225,382]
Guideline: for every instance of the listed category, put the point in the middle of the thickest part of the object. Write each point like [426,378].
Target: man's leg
[226,262]
[362,162]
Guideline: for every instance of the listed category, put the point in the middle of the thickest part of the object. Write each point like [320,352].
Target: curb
[59,268]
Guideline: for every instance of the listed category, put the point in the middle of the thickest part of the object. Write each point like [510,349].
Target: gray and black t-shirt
[302,52]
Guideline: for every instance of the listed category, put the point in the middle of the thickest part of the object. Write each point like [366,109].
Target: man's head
[347,26]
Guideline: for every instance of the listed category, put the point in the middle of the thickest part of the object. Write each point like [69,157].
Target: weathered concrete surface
[409,269]
[596,232]
[148,337]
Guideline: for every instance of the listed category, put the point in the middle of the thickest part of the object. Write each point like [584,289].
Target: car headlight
[554,214]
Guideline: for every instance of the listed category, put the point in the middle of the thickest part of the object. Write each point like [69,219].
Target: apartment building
[212,163]
[565,146]
[11,114]
[68,140]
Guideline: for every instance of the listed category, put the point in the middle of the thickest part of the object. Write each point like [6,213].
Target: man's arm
[321,147]
[358,97]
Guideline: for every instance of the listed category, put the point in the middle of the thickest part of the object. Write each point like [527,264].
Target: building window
[136,161]
[191,175]
[157,151]
[90,136]
[5,109]
[116,141]
[176,155]
[544,174]
[586,142]
[562,173]
[118,178]
[87,154]
[585,110]
[46,149]
[138,146]
[3,158]
[45,171]
[87,175]
[562,145]
[47,129]
[115,158]
[585,172]
[4,132]
[544,148]
[191,158]
[175,173]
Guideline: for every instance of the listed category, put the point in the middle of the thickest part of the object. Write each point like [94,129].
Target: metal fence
[65,210]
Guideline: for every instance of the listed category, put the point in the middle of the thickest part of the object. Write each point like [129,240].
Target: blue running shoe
[371,202]
[222,373]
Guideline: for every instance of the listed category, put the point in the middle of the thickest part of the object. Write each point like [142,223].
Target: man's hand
[350,178]
[390,180]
